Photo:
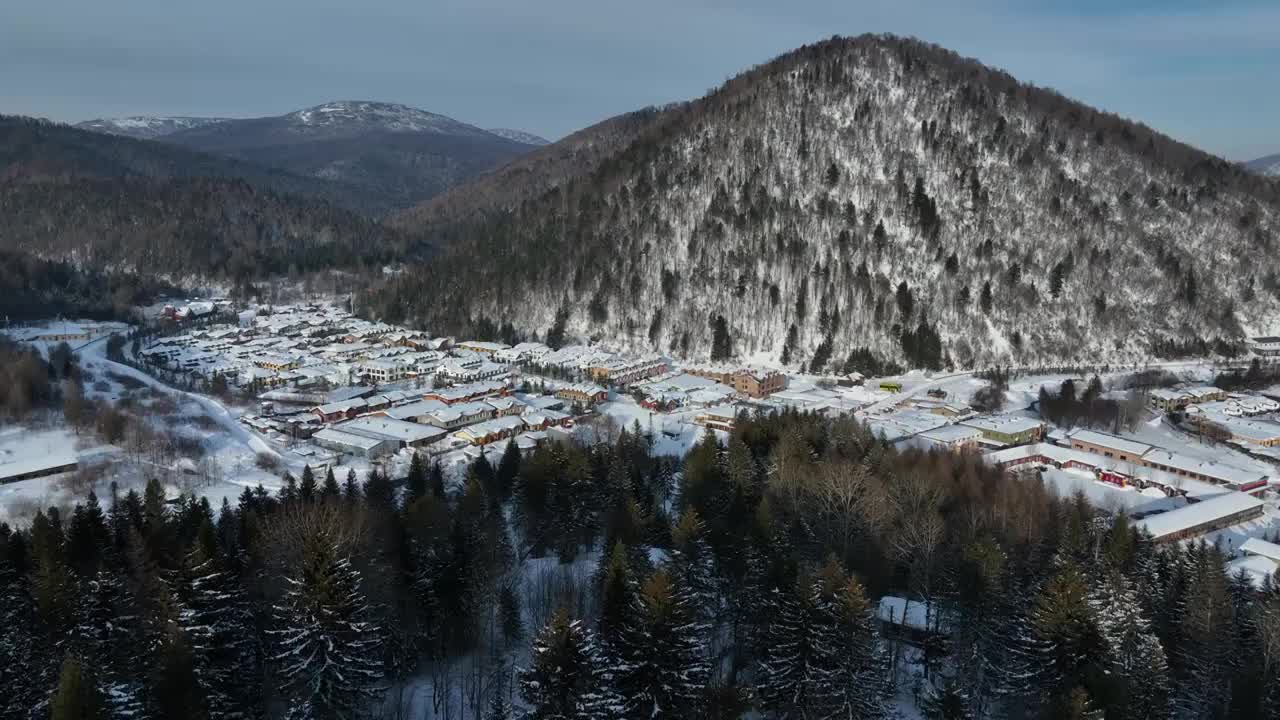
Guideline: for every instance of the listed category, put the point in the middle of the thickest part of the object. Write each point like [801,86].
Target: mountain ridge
[880,194]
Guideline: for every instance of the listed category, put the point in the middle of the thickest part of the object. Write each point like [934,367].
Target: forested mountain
[146,127]
[392,156]
[113,204]
[1269,165]
[878,193]
[37,150]
[534,174]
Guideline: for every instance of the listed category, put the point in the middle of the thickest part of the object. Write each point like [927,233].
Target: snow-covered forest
[883,195]
[605,582]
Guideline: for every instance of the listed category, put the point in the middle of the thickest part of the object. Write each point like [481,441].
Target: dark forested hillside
[35,150]
[534,174]
[116,205]
[391,156]
[884,194]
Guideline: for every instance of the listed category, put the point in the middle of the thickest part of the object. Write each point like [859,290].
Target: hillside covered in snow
[875,194]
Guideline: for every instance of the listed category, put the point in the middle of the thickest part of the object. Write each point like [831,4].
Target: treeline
[607,582]
[1256,377]
[1069,407]
[33,288]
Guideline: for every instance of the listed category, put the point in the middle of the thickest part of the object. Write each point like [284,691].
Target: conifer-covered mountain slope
[116,204]
[530,176]
[1269,165]
[879,193]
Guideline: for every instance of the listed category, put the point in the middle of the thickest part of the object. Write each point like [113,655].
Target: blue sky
[1196,70]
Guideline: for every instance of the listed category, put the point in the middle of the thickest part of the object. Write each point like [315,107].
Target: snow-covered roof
[1257,546]
[1110,441]
[1256,567]
[1200,513]
[1004,423]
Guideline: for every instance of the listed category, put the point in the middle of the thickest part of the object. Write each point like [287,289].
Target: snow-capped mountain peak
[520,136]
[367,115]
[147,126]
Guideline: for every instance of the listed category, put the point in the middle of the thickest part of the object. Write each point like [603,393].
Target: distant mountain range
[391,156]
[105,202]
[1269,165]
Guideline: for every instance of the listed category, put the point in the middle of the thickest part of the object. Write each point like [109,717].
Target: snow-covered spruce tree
[1134,656]
[786,650]
[692,567]
[26,672]
[1202,688]
[667,668]
[77,696]
[214,614]
[947,701]
[563,680]
[327,650]
[848,675]
[1062,619]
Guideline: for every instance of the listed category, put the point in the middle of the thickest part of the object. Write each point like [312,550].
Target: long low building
[1104,469]
[1139,454]
[1202,517]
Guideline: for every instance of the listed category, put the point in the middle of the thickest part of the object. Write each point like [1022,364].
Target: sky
[1198,71]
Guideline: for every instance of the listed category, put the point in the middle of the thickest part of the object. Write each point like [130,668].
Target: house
[403,434]
[757,383]
[952,437]
[544,419]
[583,393]
[1238,479]
[467,393]
[341,410]
[1267,346]
[623,372]
[382,371]
[717,418]
[357,444]
[1008,429]
[491,431]
[1108,446]
[1202,517]
[460,415]
[484,348]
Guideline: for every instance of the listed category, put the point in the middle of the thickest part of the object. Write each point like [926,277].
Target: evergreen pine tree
[307,489]
[327,650]
[848,672]
[351,488]
[435,480]
[416,480]
[508,470]
[216,618]
[562,681]
[666,671]
[330,490]
[77,696]
[1133,653]
[175,691]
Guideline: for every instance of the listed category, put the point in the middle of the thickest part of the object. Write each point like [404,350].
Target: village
[316,386]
